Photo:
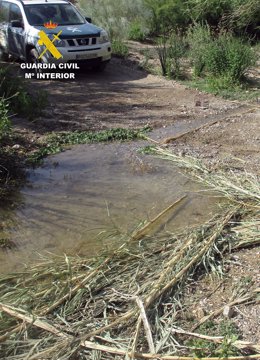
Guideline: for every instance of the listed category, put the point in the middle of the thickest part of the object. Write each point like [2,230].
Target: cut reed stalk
[110,299]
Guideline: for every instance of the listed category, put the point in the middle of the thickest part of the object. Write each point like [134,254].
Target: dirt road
[122,97]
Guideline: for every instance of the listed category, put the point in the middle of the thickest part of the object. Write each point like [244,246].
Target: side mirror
[16,24]
[88,19]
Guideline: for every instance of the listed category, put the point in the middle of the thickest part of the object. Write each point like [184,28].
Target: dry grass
[118,304]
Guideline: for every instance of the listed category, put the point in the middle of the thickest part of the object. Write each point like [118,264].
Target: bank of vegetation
[213,38]
[15,100]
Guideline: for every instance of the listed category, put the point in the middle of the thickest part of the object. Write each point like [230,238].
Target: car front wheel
[3,56]
[34,59]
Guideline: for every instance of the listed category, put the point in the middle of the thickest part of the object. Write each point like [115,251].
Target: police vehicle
[73,35]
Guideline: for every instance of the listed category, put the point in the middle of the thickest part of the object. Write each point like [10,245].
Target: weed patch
[57,142]
[5,125]
[243,92]
[20,101]
[119,48]
[204,348]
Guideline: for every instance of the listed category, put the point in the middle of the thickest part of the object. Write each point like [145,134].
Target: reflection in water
[84,199]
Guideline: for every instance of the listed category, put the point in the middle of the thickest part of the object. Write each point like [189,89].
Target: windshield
[62,14]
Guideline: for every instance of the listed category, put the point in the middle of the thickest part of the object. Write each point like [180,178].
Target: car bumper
[96,53]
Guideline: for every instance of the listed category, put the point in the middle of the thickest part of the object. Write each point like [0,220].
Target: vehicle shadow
[94,100]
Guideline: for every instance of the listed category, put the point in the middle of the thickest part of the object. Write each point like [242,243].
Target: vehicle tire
[3,56]
[34,58]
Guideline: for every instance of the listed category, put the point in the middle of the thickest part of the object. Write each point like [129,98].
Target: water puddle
[84,199]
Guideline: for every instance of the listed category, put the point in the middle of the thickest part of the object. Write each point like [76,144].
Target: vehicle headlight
[60,43]
[103,37]
[57,43]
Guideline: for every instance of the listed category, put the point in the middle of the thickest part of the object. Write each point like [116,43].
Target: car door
[4,20]
[16,36]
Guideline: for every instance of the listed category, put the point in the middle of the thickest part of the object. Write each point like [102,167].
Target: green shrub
[167,15]
[178,48]
[119,48]
[163,52]
[21,101]
[224,59]
[137,31]
[229,57]
[170,52]
[239,56]
[5,125]
[210,11]
[116,16]
[198,37]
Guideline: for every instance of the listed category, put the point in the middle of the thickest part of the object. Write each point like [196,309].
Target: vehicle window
[4,11]
[15,13]
[62,14]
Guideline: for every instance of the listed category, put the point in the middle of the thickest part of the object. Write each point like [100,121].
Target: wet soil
[90,198]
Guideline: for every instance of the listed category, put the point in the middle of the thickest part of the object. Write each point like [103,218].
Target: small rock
[16,146]
[199,313]
[228,312]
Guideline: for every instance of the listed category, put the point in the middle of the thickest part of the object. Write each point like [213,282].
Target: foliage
[209,11]
[119,48]
[137,31]
[228,56]
[238,16]
[204,348]
[170,51]
[244,17]
[116,16]
[224,59]
[198,38]
[56,142]
[21,101]
[5,125]
[134,19]
[167,15]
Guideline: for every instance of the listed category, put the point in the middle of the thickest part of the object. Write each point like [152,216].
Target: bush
[5,125]
[137,31]
[223,59]
[163,52]
[170,51]
[119,48]
[239,56]
[198,37]
[210,11]
[20,100]
[167,15]
[116,16]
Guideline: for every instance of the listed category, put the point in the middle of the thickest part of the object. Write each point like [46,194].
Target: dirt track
[122,97]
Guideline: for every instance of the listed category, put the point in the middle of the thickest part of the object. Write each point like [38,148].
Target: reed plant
[124,304]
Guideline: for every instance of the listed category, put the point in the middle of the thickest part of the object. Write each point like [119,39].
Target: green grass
[203,348]
[119,49]
[244,92]
[57,142]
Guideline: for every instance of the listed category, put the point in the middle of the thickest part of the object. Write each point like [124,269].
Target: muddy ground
[124,96]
